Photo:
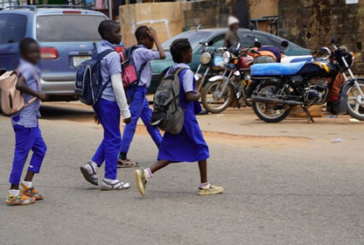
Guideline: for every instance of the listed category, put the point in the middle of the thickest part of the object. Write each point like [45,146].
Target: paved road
[294,193]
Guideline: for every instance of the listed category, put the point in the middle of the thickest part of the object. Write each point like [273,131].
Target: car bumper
[59,90]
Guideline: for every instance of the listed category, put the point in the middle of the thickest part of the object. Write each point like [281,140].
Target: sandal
[119,185]
[127,163]
[89,177]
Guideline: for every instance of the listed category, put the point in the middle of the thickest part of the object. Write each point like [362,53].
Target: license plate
[77,60]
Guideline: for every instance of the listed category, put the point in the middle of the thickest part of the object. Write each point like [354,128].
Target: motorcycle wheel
[270,113]
[210,100]
[355,101]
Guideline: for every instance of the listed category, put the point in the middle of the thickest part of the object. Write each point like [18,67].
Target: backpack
[130,75]
[167,112]
[12,100]
[88,85]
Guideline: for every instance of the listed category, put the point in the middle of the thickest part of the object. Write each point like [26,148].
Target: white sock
[111,181]
[14,192]
[147,173]
[28,184]
[205,186]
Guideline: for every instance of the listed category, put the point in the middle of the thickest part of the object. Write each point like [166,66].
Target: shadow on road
[66,112]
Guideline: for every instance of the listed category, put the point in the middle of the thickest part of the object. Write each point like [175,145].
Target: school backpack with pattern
[12,100]
[88,85]
[167,112]
[130,75]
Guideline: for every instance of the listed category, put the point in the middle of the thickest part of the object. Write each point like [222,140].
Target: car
[215,39]
[67,36]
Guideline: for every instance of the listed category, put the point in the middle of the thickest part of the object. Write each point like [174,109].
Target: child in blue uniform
[108,110]
[25,123]
[189,145]
[139,105]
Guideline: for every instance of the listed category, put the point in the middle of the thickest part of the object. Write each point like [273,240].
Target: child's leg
[135,108]
[39,149]
[23,144]
[159,165]
[110,115]
[146,116]
[202,165]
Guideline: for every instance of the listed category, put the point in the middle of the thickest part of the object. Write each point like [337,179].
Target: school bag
[130,75]
[88,85]
[12,100]
[167,112]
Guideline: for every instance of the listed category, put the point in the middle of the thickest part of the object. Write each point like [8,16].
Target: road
[285,184]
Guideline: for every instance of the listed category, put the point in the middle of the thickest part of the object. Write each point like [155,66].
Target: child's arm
[120,97]
[22,87]
[193,96]
[153,34]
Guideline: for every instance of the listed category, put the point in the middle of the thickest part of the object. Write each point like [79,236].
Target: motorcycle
[235,83]
[307,83]
[210,61]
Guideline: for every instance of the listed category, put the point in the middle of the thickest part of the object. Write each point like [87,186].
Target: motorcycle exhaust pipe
[275,101]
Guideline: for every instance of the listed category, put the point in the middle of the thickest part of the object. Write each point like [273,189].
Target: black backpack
[88,85]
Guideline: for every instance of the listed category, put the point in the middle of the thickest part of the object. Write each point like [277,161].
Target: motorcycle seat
[276,69]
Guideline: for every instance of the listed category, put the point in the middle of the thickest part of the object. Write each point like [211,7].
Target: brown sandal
[127,163]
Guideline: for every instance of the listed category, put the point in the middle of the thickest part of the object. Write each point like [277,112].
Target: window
[246,39]
[216,43]
[194,38]
[14,29]
[68,28]
[3,19]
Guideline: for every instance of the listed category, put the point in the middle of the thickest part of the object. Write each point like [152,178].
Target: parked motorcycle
[235,82]
[306,84]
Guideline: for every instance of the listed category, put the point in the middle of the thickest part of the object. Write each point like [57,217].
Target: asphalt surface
[303,194]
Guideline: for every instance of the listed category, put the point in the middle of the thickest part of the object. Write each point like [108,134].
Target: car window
[246,39]
[264,40]
[193,37]
[14,28]
[66,29]
[3,19]
[217,42]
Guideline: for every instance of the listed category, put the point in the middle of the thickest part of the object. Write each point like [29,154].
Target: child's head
[181,51]
[109,30]
[142,36]
[29,50]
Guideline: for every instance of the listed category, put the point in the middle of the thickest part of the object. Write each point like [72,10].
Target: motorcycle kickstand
[309,117]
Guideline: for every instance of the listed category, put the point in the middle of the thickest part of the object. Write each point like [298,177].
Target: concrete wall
[262,8]
[313,23]
[169,19]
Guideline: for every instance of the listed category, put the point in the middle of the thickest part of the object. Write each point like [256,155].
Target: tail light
[71,12]
[49,53]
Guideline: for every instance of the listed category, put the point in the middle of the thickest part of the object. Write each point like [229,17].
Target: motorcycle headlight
[205,58]
[227,56]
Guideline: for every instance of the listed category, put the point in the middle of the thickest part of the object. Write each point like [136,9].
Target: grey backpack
[167,112]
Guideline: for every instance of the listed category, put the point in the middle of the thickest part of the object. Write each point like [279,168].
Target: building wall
[262,8]
[313,23]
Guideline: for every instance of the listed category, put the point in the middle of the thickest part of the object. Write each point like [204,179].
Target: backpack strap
[101,55]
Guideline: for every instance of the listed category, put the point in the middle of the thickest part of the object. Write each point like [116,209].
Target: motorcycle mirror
[257,44]
[284,44]
[2,71]
[251,27]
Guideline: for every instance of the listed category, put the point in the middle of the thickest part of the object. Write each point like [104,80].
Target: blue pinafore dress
[189,145]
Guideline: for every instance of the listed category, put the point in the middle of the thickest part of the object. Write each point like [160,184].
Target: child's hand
[127,120]
[198,95]
[96,119]
[42,96]
[152,33]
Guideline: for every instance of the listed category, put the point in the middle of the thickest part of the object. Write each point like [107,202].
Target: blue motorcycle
[306,84]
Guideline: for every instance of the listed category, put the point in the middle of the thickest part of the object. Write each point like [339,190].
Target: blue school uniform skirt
[189,145]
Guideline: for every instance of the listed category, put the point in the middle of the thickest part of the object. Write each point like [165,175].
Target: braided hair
[178,47]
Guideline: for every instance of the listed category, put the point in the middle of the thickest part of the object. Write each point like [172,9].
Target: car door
[12,31]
